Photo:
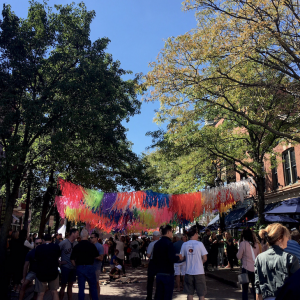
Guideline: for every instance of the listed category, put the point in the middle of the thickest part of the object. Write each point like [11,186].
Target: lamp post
[219,182]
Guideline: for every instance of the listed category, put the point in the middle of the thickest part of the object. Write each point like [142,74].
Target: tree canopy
[63,104]
[205,65]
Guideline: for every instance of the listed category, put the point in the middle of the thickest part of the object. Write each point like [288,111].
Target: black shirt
[84,253]
[164,256]
[47,256]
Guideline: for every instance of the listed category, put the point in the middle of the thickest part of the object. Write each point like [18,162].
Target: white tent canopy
[62,230]
[214,220]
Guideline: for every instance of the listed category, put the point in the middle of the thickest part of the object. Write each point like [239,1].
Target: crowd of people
[177,263]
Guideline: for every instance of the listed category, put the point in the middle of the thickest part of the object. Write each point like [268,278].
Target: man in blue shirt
[98,259]
[293,246]
[164,257]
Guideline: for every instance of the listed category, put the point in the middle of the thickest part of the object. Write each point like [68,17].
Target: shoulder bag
[243,277]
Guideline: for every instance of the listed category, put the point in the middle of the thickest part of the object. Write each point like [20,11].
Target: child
[115,273]
[114,259]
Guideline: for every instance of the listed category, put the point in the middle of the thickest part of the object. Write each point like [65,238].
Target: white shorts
[180,268]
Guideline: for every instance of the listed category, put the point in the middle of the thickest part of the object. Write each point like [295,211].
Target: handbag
[243,277]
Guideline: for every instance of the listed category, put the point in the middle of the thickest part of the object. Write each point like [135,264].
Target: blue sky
[137,30]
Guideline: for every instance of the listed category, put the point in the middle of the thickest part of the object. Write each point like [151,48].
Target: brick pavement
[119,291]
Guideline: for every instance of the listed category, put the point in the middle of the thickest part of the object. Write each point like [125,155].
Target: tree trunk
[10,203]
[57,220]
[26,217]
[68,227]
[222,221]
[260,182]
[46,202]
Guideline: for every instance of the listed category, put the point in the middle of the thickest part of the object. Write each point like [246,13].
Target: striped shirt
[293,248]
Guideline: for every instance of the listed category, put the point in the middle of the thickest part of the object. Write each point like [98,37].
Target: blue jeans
[164,286]
[245,286]
[87,273]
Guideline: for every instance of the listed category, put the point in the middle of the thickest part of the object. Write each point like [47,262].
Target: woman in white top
[120,244]
[247,253]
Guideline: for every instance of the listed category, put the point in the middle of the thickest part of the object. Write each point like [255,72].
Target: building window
[274,178]
[289,166]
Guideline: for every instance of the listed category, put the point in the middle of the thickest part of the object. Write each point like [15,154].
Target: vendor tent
[214,220]
[272,219]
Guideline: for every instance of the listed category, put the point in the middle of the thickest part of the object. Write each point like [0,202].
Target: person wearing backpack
[247,253]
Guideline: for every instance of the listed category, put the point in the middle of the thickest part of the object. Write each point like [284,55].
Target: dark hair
[116,250]
[192,231]
[23,235]
[248,236]
[73,230]
[134,237]
[165,229]
[47,237]
[96,234]
[207,230]
[295,235]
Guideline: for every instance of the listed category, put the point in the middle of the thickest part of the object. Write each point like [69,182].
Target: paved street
[116,290]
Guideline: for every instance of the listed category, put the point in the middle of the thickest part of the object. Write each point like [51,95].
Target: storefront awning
[272,219]
[236,215]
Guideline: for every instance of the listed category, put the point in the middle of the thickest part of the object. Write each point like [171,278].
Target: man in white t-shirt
[196,255]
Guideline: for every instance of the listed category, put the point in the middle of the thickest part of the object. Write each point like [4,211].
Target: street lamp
[219,182]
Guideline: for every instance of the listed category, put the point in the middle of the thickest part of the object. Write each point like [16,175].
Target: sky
[137,30]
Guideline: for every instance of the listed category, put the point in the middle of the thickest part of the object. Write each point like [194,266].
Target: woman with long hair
[247,253]
[274,266]
[230,250]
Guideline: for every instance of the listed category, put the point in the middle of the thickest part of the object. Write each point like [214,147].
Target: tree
[58,88]
[233,140]
[209,62]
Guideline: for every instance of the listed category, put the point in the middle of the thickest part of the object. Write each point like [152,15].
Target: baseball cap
[119,267]
[156,233]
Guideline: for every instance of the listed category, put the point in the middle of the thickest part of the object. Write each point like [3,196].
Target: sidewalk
[226,276]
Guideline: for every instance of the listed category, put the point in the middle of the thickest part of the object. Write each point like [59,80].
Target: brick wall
[283,192]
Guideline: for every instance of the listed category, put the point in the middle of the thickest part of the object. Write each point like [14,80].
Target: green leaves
[63,100]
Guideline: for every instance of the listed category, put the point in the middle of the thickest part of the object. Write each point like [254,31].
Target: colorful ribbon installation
[143,210]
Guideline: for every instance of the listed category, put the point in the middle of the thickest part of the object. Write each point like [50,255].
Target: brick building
[282,182]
